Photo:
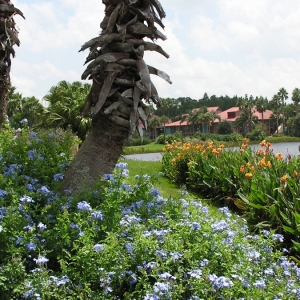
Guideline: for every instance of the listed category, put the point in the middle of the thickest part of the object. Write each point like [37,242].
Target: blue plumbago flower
[175,255]
[58,177]
[278,237]
[129,220]
[204,262]
[32,135]
[81,233]
[126,187]
[108,176]
[97,215]
[197,273]
[125,173]
[41,226]
[265,232]
[167,276]
[253,255]
[150,265]
[121,166]
[3,193]
[44,190]
[29,187]
[32,154]
[41,260]
[225,211]
[24,121]
[26,199]
[219,226]
[1,228]
[31,246]
[162,288]
[162,254]
[74,226]
[51,134]
[151,297]
[83,206]
[195,225]
[146,177]
[155,192]
[60,281]
[137,177]
[129,248]
[260,284]
[184,202]
[11,169]
[220,282]
[99,247]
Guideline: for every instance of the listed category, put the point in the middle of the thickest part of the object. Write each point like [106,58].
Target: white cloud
[220,47]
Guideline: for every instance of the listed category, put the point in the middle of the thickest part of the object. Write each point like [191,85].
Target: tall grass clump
[264,185]
[122,239]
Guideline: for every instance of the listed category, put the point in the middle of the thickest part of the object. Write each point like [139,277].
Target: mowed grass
[149,148]
[154,169]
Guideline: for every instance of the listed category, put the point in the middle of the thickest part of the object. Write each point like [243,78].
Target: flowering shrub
[262,184]
[122,240]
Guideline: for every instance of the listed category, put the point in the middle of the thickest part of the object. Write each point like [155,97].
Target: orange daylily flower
[242,150]
[295,174]
[284,178]
[242,169]
[263,143]
[248,175]
[279,156]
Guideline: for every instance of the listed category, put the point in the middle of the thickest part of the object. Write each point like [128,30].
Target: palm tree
[19,108]
[120,81]
[196,116]
[65,100]
[8,38]
[209,118]
[164,120]
[246,117]
[153,123]
[261,106]
[276,108]
[296,99]
[283,95]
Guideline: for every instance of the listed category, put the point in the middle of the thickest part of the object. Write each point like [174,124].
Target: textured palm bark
[121,86]
[8,38]
[97,155]
[4,85]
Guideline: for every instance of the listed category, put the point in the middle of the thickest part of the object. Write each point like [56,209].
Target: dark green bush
[169,138]
[138,142]
[225,127]
[256,135]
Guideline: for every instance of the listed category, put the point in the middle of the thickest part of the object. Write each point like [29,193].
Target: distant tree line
[65,99]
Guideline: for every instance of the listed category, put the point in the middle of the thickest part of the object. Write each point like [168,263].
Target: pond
[290,148]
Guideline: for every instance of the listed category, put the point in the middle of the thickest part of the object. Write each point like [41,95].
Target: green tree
[246,106]
[19,108]
[120,82]
[65,100]
[153,123]
[283,95]
[164,120]
[261,106]
[276,108]
[225,127]
[8,38]
[296,99]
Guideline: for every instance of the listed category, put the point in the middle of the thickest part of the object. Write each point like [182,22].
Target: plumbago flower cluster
[123,240]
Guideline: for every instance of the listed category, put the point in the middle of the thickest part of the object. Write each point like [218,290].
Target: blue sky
[222,47]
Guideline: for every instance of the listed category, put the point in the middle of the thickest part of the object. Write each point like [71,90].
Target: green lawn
[149,148]
[167,188]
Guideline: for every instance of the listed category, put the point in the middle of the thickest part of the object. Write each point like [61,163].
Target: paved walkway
[145,156]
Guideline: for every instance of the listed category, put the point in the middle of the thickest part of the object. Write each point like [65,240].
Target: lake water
[284,148]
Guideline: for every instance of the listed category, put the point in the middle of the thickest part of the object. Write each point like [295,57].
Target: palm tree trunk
[4,85]
[97,156]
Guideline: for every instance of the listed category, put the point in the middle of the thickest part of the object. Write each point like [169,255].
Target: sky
[218,47]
